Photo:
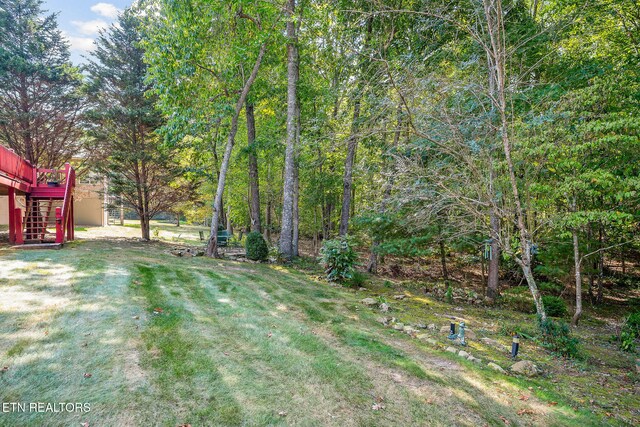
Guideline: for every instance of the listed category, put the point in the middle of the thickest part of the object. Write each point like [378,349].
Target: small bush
[358,279]
[448,296]
[633,322]
[556,336]
[256,247]
[338,259]
[629,332]
[554,306]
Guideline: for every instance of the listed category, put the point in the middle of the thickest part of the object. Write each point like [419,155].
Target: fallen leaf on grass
[282,413]
[523,397]
[525,411]
[157,310]
[87,375]
[608,414]
[4,369]
[226,353]
[429,401]
[506,421]
[377,406]
[269,335]
[553,403]
[85,424]
[184,425]
[136,317]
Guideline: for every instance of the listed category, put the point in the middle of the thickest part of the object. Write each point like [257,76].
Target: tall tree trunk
[347,180]
[577,267]
[254,183]
[494,262]
[578,277]
[229,223]
[296,186]
[497,71]
[601,245]
[286,233]
[212,246]
[443,260]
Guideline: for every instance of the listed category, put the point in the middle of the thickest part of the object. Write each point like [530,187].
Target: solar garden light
[515,346]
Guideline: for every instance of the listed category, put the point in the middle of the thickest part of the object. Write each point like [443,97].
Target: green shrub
[256,247]
[629,332]
[556,336]
[554,306]
[358,279]
[338,259]
[448,296]
[633,322]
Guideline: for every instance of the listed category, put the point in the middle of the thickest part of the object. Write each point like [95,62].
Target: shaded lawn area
[169,341]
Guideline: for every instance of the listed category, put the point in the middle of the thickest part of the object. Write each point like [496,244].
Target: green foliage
[338,259]
[518,298]
[633,321]
[550,287]
[554,306]
[557,337]
[448,296]
[256,247]
[629,332]
[40,97]
[358,279]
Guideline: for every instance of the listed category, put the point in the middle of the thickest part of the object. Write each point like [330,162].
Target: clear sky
[80,21]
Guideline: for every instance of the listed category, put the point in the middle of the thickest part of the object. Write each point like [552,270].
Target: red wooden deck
[48,207]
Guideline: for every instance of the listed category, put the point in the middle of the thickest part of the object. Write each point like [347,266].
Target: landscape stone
[384,307]
[432,327]
[409,329]
[452,350]
[525,367]
[496,367]
[398,326]
[463,353]
[399,297]
[369,302]
[474,359]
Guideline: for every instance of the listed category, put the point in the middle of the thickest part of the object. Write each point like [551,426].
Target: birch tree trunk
[578,276]
[212,246]
[496,53]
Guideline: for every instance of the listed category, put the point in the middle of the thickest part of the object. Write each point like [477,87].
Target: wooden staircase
[48,217]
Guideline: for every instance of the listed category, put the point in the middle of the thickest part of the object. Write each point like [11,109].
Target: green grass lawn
[170,341]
